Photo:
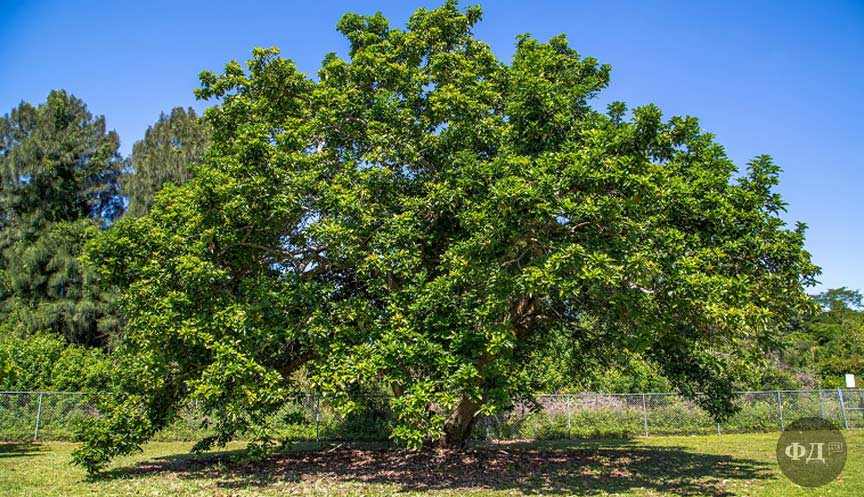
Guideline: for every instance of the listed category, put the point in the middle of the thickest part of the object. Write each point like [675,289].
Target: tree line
[423,220]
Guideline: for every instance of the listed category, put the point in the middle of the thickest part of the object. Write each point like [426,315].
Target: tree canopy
[167,154]
[426,218]
[58,164]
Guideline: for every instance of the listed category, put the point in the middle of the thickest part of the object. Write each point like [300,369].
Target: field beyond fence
[55,415]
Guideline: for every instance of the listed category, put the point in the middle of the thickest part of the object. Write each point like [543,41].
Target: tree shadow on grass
[19,449]
[581,468]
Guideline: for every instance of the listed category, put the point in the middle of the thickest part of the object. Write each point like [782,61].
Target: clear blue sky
[784,78]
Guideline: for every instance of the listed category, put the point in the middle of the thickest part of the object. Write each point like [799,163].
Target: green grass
[726,465]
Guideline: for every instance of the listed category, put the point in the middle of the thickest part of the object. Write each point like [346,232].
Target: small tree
[426,217]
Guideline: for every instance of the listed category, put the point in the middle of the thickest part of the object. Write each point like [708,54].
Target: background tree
[58,164]
[59,168]
[831,343]
[167,154]
[426,217]
[50,290]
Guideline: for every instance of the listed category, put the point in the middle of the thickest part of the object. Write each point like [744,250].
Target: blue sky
[784,78]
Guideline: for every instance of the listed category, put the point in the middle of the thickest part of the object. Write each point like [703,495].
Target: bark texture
[458,426]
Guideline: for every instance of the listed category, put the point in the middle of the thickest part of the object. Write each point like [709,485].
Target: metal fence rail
[55,415]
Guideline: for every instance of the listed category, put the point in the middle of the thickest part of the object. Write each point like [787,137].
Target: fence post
[644,415]
[38,417]
[843,408]
[318,419]
[569,413]
[780,410]
[821,404]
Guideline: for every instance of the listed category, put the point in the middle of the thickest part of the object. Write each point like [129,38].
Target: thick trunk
[458,426]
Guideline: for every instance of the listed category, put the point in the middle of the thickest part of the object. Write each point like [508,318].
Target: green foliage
[27,363]
[57,163]
[168,154]
[81,369]
[122,436]
[426,217]
[44,362]
[59,170]
[49,289]
[831,343]
[633,376]
[561,365]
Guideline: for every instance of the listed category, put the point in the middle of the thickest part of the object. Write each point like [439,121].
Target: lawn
[726,465]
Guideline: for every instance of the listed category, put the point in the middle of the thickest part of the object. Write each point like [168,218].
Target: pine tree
[59,171]
[167,154]
[57,163]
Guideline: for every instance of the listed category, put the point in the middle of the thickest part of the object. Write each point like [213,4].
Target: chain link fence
[42,415]
[624,415]
[55,415]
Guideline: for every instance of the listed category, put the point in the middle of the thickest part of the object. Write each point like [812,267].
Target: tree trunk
[458,426]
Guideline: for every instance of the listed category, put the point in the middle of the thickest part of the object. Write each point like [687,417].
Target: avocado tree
[427,218]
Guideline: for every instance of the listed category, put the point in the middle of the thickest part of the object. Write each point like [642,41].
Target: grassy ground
[727,465]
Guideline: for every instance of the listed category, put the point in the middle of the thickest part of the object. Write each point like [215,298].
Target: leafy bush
[44,362]
[81,369]
[28,363]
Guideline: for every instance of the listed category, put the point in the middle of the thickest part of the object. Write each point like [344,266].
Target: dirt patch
[527,467]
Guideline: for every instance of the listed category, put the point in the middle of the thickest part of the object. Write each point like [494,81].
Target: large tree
[58,185]
[426,217]
[167,154]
